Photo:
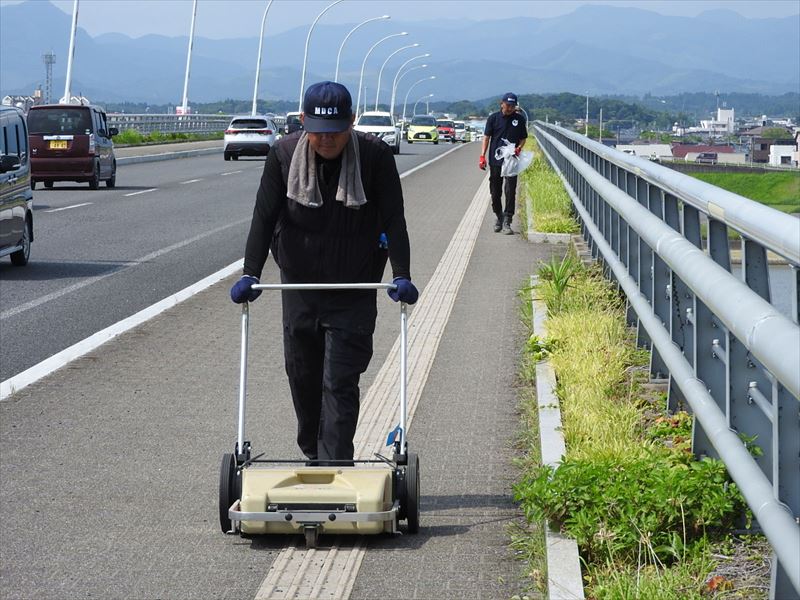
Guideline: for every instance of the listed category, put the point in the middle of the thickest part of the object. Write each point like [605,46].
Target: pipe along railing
[732,359]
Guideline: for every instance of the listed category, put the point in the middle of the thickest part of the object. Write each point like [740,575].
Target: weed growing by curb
[644,512]
[552,207]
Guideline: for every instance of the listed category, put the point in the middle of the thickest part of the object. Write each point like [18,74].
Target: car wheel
[94,182]
[33,184]
[226,156]
[436,143]
[409,141]
[20,257]
[235,156]
[112,181]
[48,185]
[396,149]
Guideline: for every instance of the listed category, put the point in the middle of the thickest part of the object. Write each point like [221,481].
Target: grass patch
[645,514]
[780,190]
[131,137]
[552,207]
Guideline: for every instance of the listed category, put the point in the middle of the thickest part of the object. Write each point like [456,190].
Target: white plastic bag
[512,165]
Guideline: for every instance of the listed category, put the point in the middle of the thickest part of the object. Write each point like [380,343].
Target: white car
[382,125]
[461,131]
[249,136]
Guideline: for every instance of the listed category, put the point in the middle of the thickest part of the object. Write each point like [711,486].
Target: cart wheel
[230,488]
[412,493]
[312,535]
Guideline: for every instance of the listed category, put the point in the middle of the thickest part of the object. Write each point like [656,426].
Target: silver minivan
[16,196]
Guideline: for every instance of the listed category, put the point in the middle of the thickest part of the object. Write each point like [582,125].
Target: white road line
[141,192]
[426,327]
[231,172]
[128,264]
[36,372]
[191,181]
[68,207]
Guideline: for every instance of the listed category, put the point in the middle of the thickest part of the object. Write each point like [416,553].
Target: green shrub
[621,508]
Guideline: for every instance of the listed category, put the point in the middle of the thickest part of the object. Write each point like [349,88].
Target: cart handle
[324,286]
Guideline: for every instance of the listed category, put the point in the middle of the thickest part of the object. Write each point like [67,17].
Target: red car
[447,129]
[71,142]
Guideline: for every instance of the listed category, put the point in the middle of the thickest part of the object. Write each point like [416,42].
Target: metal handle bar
[324,286]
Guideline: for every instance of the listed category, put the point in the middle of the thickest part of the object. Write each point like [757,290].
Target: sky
[223,19]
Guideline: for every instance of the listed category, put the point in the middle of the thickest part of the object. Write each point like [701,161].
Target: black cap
[328,108]
[509,98]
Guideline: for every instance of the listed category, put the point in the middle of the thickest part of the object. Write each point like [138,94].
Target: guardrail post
[706,367]
[659,294]
[645,258]
[681,305]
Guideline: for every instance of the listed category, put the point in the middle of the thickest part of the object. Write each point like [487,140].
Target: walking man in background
[506,124]
[327,195]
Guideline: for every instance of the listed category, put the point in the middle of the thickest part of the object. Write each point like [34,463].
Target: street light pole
[258,62]
[380,73]
[305,53]
[68,84]
[586,124]
[364,62]
[409,91]
[339,55]
[414,110]
[185,102]
[398,77]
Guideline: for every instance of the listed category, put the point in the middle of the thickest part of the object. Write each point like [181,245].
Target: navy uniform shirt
[498,127]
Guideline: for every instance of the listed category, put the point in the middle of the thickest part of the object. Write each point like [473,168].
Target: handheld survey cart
[259,495]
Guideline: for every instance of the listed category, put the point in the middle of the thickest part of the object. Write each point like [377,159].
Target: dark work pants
[327,340]
[496,190]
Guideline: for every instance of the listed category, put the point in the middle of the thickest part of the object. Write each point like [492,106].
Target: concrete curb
[540,237]
[132,160]
[564,579]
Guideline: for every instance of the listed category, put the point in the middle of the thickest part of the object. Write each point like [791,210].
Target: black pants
[327,340]
[496,190]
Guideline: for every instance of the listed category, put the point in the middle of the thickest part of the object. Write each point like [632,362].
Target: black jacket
[331,243]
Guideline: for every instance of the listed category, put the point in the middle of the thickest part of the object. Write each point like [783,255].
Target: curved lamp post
[380,73]
[398,77]
[185,102]
[409,91]
[414,110]
[305,54]
[339,55]
[258,61]
[364,62]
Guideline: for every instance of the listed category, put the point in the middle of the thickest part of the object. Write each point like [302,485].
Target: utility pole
[600,135]
[49,60]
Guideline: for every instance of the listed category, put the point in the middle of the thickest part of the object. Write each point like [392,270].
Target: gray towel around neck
[302,185]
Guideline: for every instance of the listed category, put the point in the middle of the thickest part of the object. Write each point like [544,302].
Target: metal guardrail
[732,358]
[147,123]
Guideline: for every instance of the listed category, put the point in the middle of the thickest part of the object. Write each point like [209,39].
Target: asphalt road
[101,256]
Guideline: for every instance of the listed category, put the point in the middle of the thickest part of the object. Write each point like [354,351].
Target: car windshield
[248,124]
[444,123]
[60,121]
[459,125]
[292,119]
[422,120]
[375,121]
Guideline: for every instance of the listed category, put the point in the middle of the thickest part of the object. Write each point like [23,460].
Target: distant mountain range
[596,48]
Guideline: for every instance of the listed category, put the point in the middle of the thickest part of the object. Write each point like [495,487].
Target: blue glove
[241,292]
[405,291]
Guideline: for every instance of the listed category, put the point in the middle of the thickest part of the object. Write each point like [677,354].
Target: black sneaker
[498,224]
[506,229]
